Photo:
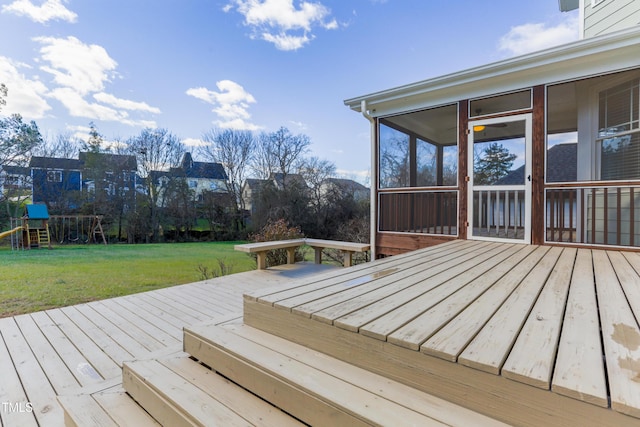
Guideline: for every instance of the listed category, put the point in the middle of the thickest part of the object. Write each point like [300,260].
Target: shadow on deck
[530,335]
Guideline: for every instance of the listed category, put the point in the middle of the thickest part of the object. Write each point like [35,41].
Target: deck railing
[425,212]
[594,215]
[499,213]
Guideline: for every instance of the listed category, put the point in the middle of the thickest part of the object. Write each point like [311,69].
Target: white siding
[605,16]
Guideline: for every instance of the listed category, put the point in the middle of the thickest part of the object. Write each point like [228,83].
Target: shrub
[223,268]
[274,231]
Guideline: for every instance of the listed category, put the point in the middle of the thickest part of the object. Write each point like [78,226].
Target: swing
[69,237]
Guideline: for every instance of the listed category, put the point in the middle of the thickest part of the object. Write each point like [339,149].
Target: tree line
[292,187]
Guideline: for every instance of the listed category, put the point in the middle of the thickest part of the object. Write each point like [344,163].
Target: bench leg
[348,258]
[318,254]
[291,255]
[262,260]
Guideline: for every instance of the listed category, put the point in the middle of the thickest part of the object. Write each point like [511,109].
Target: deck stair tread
[316,388]
[109,408]
[179,391]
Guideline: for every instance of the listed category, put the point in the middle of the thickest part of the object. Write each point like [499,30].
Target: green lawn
[39,279]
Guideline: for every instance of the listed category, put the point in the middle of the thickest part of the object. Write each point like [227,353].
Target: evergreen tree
[495,163]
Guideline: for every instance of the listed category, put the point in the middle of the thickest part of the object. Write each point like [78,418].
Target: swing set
[77,229]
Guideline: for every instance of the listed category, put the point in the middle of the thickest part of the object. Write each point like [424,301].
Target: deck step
[316,388]
[178,391]
[109,408]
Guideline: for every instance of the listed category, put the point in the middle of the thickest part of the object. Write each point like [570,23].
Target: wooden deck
[532,335]
[81,349]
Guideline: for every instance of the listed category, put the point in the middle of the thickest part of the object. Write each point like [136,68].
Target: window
[419,149]
[618,139]
[54,176]
[193,183]
[516,101]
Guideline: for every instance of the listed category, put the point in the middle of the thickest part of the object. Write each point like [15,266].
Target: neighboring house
[345,187]
[201,176]
[428,138]
[282,181]
[53,179]
[109,172]
[15,181]
[251,190]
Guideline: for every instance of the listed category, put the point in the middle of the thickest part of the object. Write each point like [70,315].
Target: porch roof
[598,55]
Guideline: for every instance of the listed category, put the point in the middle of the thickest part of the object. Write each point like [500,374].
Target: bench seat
[261,249]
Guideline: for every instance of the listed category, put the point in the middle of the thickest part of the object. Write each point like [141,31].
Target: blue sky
[193,65]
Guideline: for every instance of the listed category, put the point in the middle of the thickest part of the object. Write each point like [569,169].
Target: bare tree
[62,145]
[156,151]
[233,149]
[263,164]
[315,172]
[3,95]
[280,152]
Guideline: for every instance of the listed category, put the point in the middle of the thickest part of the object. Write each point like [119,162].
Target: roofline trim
[574,51]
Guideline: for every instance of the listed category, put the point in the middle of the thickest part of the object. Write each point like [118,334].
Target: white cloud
[300,125]
[282,23]
[83,70]
[361,176]
[194,142]
[84,67]
[537,36]
[78,106]
[47,11]
[25,96]
[231,104]
[125,104]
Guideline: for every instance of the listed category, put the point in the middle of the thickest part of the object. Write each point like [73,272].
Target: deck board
[80,349]
[357,282]
[11,389]
[453,337]
[489,349]
[528,314]
[620,335]
[417,320]
[432,275]
[34,380]
[542,329]
[579,371]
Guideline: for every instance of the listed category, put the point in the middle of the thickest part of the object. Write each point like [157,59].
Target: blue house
[61,182]
[53,179]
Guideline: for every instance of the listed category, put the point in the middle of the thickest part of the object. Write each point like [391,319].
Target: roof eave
[580,58]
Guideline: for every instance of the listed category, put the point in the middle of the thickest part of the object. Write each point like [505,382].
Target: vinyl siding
[610,15]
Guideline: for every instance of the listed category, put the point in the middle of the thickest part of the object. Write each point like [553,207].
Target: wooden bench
[261,249]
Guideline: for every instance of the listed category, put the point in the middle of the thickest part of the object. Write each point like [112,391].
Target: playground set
[36,229]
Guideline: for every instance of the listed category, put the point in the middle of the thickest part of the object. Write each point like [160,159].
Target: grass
[40,279]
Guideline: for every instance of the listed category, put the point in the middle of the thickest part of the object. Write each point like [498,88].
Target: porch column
[538,212]
[463,173]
